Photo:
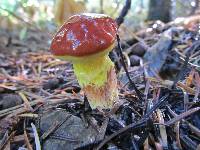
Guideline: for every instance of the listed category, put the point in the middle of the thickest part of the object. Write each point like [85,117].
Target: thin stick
[124,12]
[181,116]
[37,140]
[139,94]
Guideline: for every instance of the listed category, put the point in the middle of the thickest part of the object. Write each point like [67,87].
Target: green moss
[93,71]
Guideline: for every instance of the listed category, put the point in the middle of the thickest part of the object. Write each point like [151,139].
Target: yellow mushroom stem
[96,76]
[98,79]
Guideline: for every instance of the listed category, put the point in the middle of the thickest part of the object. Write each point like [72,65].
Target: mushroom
[85,40]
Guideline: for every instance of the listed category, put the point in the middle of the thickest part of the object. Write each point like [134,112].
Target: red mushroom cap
[83,35]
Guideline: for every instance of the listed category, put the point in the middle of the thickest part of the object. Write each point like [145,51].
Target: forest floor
[42,105]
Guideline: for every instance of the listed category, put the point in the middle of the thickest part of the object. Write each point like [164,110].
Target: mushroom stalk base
[98,80]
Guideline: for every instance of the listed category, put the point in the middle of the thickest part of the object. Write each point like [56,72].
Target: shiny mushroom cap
[84,35]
